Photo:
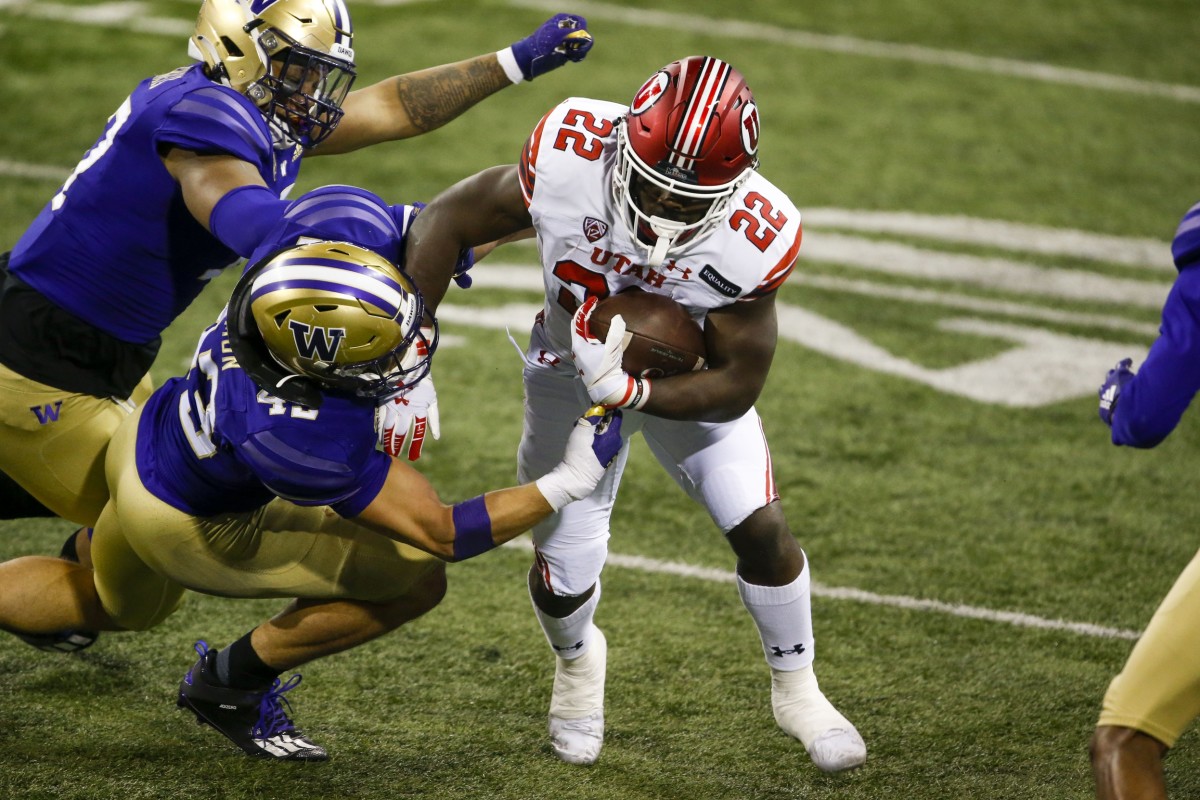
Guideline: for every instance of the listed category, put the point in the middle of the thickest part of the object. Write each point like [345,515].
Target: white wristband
[508,62]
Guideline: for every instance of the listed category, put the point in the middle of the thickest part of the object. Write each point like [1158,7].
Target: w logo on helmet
[320,344]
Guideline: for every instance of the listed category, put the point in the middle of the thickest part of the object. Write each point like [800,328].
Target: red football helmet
[689,140]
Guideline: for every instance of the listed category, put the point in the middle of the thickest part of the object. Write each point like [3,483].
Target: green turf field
[988,189]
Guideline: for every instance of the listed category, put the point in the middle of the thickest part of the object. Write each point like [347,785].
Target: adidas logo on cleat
[257,721]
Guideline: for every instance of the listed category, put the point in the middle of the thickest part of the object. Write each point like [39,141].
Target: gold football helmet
[292,58]
[340,315]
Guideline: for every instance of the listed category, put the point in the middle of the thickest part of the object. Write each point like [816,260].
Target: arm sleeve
[244,217]
[1151,405]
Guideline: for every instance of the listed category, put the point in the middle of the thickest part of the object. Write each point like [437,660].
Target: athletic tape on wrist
[472,529]
[508,62]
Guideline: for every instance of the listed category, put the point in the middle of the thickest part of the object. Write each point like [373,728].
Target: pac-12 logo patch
[594,229]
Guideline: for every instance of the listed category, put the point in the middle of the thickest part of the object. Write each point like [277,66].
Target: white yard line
[964,302]
[37,172]
[1150,254]
[998,274]
[852,45]
[679,569]
[132,15]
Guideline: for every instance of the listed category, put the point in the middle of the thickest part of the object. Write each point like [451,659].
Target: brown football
[663,337]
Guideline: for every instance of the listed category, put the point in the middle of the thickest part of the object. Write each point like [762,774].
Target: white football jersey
[586,249]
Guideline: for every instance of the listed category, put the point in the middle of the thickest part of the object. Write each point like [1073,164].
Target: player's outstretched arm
[408,508]
[485,207]
[408,105]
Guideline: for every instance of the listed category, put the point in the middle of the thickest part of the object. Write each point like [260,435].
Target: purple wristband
[472,529]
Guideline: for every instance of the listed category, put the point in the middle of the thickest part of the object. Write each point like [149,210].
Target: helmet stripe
[341,22]
[698,116]
[362,283]
[321,205]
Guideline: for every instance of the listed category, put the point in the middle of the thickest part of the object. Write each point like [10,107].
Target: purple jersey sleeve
[1151,405]
[215,119]
[117,246]
[315,466]
[341,213]
[1185,249]
[212,442]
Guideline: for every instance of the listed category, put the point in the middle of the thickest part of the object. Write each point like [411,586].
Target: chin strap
[666,230]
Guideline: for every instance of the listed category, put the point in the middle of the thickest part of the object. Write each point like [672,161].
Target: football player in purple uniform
[660,196]
[257,475]
[187,177]
[1155,697]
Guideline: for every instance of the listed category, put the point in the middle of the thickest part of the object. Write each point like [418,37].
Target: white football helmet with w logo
[338,314]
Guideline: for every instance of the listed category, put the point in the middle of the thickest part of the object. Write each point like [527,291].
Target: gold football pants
[147,552]
[1158,690]
[52,442]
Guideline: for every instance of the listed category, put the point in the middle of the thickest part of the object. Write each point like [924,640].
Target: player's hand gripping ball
[662,337]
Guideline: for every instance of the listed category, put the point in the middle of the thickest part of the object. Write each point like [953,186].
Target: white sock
[568,636]
[783,615]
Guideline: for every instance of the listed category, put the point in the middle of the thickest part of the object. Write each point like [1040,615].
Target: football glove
[560,39]
[1110,390]
[403,420]
[466,260]
[592,447]
[599,363]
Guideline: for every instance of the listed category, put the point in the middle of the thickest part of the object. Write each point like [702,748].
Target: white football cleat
[803,712]
[577,704]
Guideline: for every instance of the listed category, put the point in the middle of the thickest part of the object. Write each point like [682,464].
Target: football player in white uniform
[662,196]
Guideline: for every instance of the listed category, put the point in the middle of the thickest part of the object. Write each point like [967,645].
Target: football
[663,338]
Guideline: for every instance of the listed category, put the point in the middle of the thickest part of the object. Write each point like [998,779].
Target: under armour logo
[684,272]
[548,358]
[47,413]
[780,653]
[568,648]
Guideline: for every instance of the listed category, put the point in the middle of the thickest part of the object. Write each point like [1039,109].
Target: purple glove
[466,260]
[592,447]
[1110,390]
[560,39]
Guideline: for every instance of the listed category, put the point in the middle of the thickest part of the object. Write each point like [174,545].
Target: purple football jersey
[212,442]
[116,246]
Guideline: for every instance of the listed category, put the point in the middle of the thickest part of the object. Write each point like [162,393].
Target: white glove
[403,419]
[599,363]
[593,446]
